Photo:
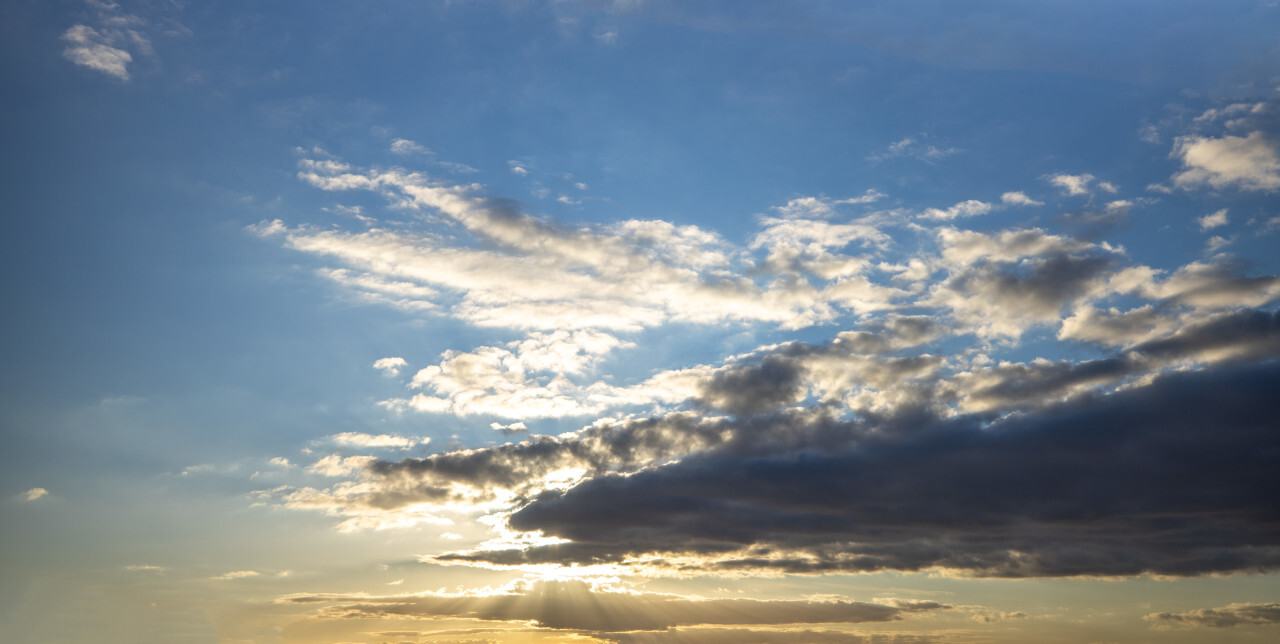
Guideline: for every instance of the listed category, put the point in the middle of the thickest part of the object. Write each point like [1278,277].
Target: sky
[640,322]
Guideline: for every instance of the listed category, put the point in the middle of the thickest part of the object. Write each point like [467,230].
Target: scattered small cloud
[507,430]
[518,168]
[110,45]
[236,574]
[145,568]
[914,148]
[1076,184]
[357,439]
[405,147]
[1251,162]
[1217,242]
[968,208]
[36,493]
[1240,614]
[1213,220]
[1019,199]
[391,366]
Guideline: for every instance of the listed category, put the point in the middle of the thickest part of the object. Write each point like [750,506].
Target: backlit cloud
[1251,162]
[576,606]
[1243,614]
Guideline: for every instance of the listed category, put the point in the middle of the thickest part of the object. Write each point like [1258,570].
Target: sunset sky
[640,322]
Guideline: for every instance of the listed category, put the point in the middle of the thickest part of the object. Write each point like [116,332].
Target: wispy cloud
[914,148]
[108,46]
[612,611]
[1243,614]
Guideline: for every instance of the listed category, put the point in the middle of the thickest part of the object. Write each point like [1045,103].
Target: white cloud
[110,44]
[1214,114]
[35,493]
[507,430]
[913,147]
[1217,243]
[518,168]
[144,568]
[336,465]
[525,379]
[390,365]
[93,49]
[531,273]
[1072,184]
[237,574]
[572,293]
[968,208]
[1213,220]
[1248,163]
[357,439]
[1019,199]
[406,147]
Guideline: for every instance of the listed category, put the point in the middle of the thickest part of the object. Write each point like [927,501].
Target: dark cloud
[1093,225]
[1221,284]
[573,605]
[521,466]
[1174,478]
[1036,287]
[1231,615]
[747,636]
[1243,334]
[773,383]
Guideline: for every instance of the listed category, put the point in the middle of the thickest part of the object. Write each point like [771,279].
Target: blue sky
[635,321]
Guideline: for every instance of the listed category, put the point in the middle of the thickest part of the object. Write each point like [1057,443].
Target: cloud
[968,208]
[336,465]
[1073,184]
[532,273]
[908,440]
[406,147]
[1019,199]
[913,147]
[1217,243]
[1245,614]
[35,493]
[237,574]
[1032,495]
[1213,220]
[1251,162]
[707,635]
[145,568]
[91,48]
[106,46]
[563,605]
[390,365]
[509,429]
[357,439]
